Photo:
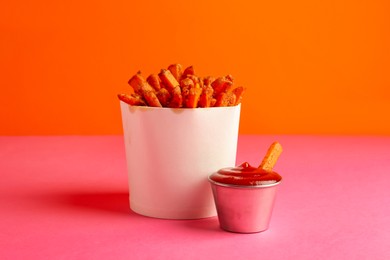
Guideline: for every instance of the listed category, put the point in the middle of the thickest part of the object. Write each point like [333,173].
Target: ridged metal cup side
[244,209]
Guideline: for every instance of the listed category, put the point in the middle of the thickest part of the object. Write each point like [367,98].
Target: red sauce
[245,175]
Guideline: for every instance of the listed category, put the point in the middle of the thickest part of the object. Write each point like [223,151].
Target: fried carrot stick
[154,81]
[206,96]
[239,91]
[142,87]
[133,99]
[271,157]
[188,71]
[176,70]
[163,96]
[193,96]
[220,85]
[177,98]
[225,99]
[168,80]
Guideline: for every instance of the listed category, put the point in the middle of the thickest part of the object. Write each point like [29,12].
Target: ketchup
[246,175]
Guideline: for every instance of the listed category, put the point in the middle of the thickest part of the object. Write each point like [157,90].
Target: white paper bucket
[171,152]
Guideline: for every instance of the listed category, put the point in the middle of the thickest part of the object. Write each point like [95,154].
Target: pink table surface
[67,198]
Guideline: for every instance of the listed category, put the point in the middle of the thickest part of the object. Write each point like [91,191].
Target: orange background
[310,67]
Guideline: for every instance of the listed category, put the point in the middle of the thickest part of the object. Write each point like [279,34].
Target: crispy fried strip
[228,86]
[208,80]
[188,71]
[220,85]
[185,85]
[175,88]
[239,91]
[142,87]
[206,96]
[136,82]
[139,84]
[163,96]
[187,82]
[271,157]
[221,100]
[231,98]
[151,99]
[154,81]
[229,77]
[193,96]
[177,98]
[133,99]
[212,102]
[225,99]
[194,78]
[168,79]
[176,70]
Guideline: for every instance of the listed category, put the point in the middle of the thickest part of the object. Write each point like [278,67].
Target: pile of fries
[178,88]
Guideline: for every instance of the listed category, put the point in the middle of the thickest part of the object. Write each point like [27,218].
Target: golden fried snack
[212,102]
[177,98]
[151,99]
[208,80]
[194,78]
[239,91]
[188,71]
[185,85]
[163,96]
[142,87]
[206,96]
[271,157]
[193,96]
[168,80]
[231,98]
[225,99]
[133,99]
[221,84]
[221,100]
[176,88]
[176,70]
[200,81]
[154,81]
[139,84]
[229,77]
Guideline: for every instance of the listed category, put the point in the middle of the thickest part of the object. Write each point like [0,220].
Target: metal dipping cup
[244,209]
